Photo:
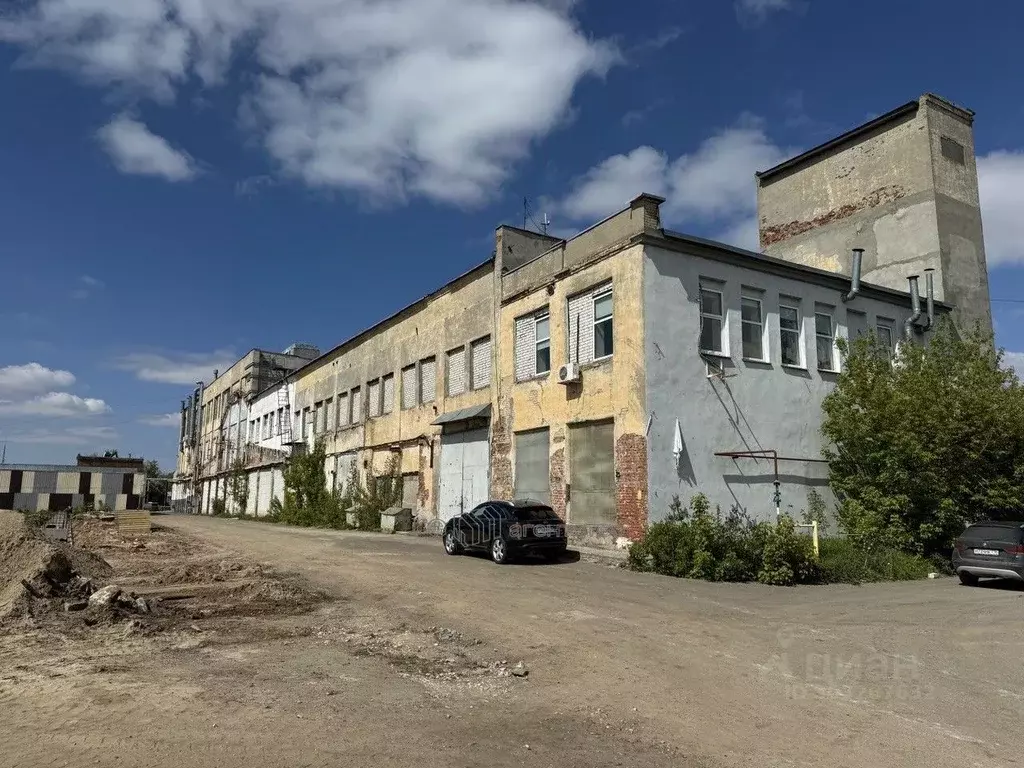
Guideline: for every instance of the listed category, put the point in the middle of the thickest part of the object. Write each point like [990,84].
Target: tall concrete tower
[904,187]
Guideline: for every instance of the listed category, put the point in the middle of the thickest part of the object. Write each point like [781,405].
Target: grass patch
[842,561]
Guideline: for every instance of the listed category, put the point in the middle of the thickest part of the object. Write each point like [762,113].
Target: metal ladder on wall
[284,426]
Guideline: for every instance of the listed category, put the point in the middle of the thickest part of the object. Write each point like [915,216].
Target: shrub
[846,561]
[219,507]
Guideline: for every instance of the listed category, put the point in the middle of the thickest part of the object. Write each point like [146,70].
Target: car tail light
[1015,549]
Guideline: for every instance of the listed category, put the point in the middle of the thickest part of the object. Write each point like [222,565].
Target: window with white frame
[589,320]
[884,333]
[343,415]
[824,334]
[752,321]
[387,394]
[480,363]
[532,345]
[712,321]
[428,380]
[790,345]
[409,386]
[373,399]
[457,371]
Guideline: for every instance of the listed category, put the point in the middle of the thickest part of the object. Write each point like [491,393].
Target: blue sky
[166,164]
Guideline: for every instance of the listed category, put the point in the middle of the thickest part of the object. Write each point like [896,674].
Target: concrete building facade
[610,372]
[55,488]
[904,187]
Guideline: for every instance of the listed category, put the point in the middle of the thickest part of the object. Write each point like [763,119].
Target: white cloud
[137,151]
[162,420]
[21,381]
[70,436]
[54,404]
[1015,360]
[87,285]
[757,11]
[711,188]
[433,98]
[1001,186]
[177,367]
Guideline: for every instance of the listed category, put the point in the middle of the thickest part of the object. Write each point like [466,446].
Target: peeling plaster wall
[892,192]
[757,406]
[612,388]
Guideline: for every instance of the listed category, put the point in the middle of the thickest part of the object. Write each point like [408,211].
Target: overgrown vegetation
[920,448]
[697,543]
[848,562]
[238,486]
[309,502]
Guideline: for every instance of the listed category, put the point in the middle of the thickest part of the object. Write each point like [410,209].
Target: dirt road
[624,669]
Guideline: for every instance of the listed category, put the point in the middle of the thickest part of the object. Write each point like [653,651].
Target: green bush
[845,561]
[699,544]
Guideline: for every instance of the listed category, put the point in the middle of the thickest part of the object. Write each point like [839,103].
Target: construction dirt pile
[36,572]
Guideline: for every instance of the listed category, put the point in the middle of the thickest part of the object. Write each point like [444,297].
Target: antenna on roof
[528,218]
[544,224]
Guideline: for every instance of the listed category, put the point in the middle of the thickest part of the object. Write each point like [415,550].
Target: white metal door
[464,473]
[263,493]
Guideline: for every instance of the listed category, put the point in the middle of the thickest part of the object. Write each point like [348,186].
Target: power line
[1009,301]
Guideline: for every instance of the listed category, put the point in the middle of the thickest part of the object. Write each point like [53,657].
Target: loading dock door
[532,465]
[463,481]
[592,473]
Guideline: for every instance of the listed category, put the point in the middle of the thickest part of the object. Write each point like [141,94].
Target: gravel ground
[326,648]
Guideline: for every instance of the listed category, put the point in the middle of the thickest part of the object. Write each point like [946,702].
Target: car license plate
[986,551]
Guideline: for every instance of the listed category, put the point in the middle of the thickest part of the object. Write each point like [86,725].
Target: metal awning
[463,414]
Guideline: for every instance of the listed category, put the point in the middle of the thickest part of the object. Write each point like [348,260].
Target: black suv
[505,529]
[993,549]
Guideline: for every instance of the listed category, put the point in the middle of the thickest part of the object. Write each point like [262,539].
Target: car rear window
[994,533]
[530,514]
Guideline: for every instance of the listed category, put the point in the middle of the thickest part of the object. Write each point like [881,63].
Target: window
[603,343]
[409,386]
[280,421]
[265,430]
[357,405]
[318,418]
[388,393]
[789,335]
[330,422]
[343,415]
[753,329]
[952,150]
[457,371]
[480,362]
[533,345]
[428,380]
[883,331]
[270,432]
[712,321]
[373,399]
[825,339]
[590,325]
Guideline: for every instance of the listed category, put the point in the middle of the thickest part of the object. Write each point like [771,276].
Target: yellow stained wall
[613,388]
[455,317]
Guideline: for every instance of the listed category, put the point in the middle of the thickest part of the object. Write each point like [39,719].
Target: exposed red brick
[556,471]
[423,494]
[779,232]
[631,485]
[501,456]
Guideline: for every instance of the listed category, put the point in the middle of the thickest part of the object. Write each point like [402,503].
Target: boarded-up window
[952,150]
[480,363]
[388,393]
[428,380]
[373,398]
[409,386]
[343,414]
[410,490]
[457,371]
[329,417]
[532,466]
[357,405]
[592,473]
[318,418]
[585,326]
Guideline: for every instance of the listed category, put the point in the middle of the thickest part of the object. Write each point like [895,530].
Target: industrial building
[55,488]
[612,371]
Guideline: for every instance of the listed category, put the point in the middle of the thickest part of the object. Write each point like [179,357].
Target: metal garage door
[592,473]
[277,485]
[263,491]
[532,465]
[464,472]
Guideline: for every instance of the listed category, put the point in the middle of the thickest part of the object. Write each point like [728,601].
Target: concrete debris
[76,605]
[103,598]
[520,670]
[141,605]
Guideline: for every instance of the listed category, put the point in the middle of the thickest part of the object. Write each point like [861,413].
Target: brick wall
[501,456]
[557,470]
[631,484]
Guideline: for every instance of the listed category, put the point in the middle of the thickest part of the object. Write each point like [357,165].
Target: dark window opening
[953,150]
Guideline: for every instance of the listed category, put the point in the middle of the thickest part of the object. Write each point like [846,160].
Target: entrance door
[592,473]
[464,472]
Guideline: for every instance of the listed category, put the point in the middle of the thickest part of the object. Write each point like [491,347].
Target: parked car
[506,529]
[994,549]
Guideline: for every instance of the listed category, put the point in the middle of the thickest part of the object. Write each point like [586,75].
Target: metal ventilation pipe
[858,258]
[929,288]
[915,308]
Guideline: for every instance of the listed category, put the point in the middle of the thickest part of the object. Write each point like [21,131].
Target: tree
[110,454]
[922,446]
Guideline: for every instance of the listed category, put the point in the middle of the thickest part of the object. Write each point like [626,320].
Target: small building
[54,487]
[613,371]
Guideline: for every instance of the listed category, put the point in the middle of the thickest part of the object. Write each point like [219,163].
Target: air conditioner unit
[569,373]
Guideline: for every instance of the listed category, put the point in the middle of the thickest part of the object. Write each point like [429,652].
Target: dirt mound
[48,567]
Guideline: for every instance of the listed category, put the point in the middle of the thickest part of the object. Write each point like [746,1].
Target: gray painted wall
[758,406]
